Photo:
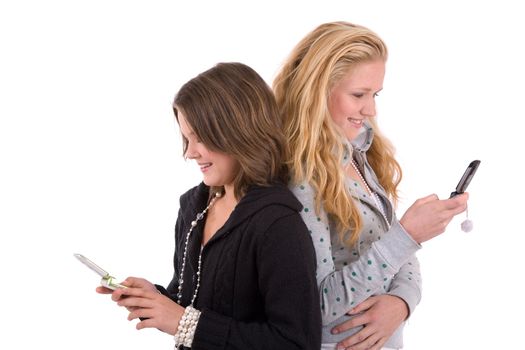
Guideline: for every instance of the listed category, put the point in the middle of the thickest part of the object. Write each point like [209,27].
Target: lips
[356,122]
[204,166]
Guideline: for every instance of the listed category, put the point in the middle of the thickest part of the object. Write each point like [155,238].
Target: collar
[359,146]
[364,139]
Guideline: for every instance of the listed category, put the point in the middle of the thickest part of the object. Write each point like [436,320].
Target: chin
[351,135]
[212,183]
[208,182]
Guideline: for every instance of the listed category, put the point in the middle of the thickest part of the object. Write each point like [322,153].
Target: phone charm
[467,225]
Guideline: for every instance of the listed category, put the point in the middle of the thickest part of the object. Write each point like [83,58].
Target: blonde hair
[232,110]
[315,146]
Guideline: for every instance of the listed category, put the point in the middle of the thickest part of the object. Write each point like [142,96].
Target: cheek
[204,151]
[234,167]
[341,106]
[229,165]
[349,107]
[339,120]
[339,111]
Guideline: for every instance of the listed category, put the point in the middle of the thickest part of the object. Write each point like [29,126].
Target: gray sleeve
[407,284]
[318,228]
[344,289]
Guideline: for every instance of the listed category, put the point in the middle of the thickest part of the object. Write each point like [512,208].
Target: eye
[357,95]
[192,138]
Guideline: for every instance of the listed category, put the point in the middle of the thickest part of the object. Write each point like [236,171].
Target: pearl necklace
[373,194]
[199,217]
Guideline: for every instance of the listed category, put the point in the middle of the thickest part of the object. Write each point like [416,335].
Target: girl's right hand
[429,216]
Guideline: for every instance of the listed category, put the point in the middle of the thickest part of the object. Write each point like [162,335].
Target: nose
[369,108]
[191,151]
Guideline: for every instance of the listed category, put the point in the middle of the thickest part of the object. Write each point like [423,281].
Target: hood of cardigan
[358,147]
[256,198]
[364,139]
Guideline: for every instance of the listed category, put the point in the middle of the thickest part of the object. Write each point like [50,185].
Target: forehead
[368,74]
[185,128]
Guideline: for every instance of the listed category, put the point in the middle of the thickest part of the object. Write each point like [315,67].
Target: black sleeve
[286,277]
[173,286]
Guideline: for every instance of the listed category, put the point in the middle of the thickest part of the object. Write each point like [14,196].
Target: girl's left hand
[381,316]
[155,309]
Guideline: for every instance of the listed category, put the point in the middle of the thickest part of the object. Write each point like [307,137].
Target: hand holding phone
[465,179]
[107,280]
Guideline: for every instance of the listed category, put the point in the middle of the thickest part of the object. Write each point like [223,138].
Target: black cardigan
[258,288]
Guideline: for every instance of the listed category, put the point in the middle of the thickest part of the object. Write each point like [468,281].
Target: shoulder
[194,195]
[272,205]
[276,195]
[192,201]
[303,191]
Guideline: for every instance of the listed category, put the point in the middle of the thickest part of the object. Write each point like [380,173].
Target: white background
[90,156]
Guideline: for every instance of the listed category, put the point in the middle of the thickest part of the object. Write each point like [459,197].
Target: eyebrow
[368,89]
[191,134]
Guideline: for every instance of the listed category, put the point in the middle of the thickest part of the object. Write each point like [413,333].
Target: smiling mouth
[358,122]
[205,166]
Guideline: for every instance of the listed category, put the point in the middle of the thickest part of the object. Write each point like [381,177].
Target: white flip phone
[107,280]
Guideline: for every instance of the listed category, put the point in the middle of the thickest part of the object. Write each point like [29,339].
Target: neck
[229,196]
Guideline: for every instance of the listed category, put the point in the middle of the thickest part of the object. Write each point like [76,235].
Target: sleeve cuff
[410,299]
[397,246]
[212,331]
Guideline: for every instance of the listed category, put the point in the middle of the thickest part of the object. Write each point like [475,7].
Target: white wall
[90,155]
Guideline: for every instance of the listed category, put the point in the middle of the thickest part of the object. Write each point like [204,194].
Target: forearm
[370,274]
[407,284]
[215,331]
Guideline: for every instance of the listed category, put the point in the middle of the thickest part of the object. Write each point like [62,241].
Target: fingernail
[335,331]
[340,347]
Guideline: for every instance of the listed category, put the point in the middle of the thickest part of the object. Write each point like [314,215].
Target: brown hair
[232,110]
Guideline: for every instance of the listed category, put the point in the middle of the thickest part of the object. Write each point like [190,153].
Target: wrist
[409,230]
[186,328]
[403,307]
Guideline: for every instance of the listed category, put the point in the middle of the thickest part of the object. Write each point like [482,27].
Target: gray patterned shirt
[382,262]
